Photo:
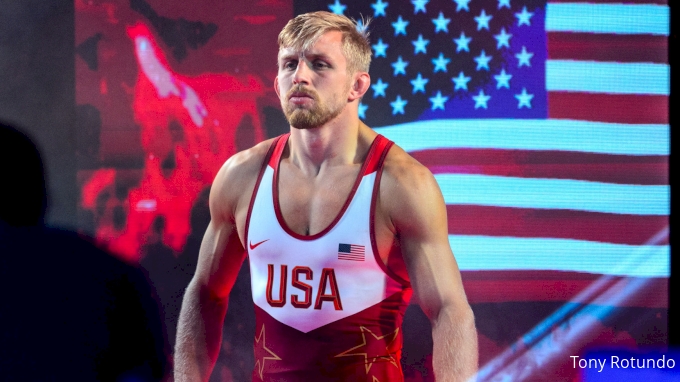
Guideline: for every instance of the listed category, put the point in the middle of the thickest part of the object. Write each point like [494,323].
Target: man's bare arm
[199,332]
[418,212]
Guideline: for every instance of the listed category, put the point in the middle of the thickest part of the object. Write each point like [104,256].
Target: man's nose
[301,75]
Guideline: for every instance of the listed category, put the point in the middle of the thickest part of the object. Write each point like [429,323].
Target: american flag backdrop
[546,126]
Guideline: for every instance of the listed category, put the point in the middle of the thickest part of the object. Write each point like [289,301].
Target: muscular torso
[310,203]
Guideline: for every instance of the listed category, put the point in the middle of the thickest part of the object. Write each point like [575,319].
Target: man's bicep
[219,259]
[422,226]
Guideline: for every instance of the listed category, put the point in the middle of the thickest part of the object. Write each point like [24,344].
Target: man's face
[313,85]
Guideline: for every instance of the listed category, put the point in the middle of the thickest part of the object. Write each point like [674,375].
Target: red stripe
[607,47]
[621,169]
[562,224]
[661,2]
[617,108]
[505,286]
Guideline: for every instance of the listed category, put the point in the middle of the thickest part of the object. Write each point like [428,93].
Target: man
[70,311]
[340,228]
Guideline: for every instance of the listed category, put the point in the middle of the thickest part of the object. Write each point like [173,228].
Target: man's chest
[309,204]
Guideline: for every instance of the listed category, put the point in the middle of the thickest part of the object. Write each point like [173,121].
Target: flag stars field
[399,66]
[483,61]
[362,110]
[503,39]
[460,82]
[337,8]
[503,3]
[398,105]
[380,48]
[481,100]
[419,6]
[483,20]
[462,5]
[400,26]
[503,79]
[441,23]
[440,63]
[379,88]
[419,84]
[420,45]
[524,57]
[524,17]
[524,99]
[462,42]
[379,8]
[438,101]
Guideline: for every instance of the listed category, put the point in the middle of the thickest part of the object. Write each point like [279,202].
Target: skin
[318,169]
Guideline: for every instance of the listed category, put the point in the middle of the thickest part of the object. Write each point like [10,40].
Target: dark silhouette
[69,311]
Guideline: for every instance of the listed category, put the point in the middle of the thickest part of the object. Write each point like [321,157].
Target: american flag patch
[352,252]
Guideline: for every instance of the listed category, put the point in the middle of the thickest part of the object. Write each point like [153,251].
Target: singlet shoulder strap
[271,153]
[277,150]
[376,157]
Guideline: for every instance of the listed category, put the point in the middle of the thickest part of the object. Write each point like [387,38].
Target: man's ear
[362,81]
[276,86]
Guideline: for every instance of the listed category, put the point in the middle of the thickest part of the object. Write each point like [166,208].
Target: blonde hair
[303,31]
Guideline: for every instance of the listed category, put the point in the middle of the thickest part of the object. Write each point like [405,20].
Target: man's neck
[335,143]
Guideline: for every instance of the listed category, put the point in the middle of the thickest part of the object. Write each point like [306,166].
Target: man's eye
[320,64]
[290,65]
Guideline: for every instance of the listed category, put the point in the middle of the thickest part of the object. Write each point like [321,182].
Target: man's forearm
[455,354]
[199,335]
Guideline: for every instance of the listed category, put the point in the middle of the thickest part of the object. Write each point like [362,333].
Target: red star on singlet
[261,351]
[373,348]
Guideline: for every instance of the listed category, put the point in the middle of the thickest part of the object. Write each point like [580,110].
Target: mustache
[301,90]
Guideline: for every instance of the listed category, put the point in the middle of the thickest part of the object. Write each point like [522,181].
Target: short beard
[317,116]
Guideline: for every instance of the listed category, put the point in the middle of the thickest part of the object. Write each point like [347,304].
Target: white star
[380,48]
[462,4]
[503,39]
[398,105]
[524,99]
[440,63]
[481,99]
[483,20]
[503,3]
[438,101]
[419,84]
[482,61]
[337,8]
[379,8]
[420,44]
[441,24]
[503,80]
[524,57]
[462,42]
[379,88]
[524,17]
[419,5]
[461,82]
[400,26]
[399,66]
[362,110]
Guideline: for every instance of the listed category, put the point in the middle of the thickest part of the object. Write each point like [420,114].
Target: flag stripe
[533,287]
[607,18]
[607,77]
[623,169]
[521,134]
[476,252]
[659,2]
[607,47]
[616,108]
[563,224]
[486,190]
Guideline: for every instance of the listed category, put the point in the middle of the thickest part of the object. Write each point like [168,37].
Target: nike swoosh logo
[253,246]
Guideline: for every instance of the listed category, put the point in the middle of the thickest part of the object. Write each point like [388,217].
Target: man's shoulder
[245,164]
[238,173]
[403,170]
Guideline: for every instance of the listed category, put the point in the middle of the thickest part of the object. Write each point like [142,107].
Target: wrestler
[340,227]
